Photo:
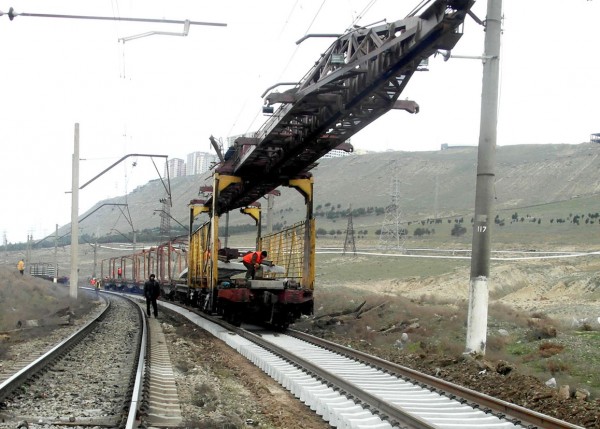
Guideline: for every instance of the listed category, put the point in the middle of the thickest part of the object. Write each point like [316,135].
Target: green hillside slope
[546,182]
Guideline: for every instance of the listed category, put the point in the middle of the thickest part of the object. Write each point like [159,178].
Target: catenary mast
[484,191]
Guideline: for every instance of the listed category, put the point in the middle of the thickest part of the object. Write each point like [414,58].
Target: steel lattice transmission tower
[165,217]
[393,233]
[349,243]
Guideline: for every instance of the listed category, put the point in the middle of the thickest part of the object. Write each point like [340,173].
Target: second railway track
[86,382]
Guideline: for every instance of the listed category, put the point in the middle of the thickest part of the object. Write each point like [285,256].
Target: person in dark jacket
[152,292]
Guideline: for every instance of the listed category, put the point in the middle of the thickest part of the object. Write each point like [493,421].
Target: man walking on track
[152,292]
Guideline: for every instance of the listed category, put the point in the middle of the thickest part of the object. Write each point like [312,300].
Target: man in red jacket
[251,261]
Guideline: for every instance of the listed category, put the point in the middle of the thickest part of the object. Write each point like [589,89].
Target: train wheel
[236,319]
[226,313]
[235,314]
[281,321]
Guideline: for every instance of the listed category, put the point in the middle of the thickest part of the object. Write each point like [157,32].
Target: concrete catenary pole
[28,251]
[56,254]
[74,279]
[484,191]
[96,257]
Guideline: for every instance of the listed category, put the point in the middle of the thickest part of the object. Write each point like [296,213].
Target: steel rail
[10,384]
[138,385]
[390,412]
[521,415]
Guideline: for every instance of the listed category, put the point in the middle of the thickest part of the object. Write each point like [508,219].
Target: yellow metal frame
[197,261]
[286,248]
[292,248]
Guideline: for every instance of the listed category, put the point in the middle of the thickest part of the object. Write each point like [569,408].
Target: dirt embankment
[23,298]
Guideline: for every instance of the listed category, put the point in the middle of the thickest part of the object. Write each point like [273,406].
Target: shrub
[548,349]
[554,366]
[458,230]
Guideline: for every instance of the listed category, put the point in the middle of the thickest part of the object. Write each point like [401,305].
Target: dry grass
[548,349]
[28,298]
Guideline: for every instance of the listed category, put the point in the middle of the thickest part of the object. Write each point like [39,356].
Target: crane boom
[357,80]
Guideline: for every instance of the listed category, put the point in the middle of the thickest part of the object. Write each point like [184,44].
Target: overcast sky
[166,94]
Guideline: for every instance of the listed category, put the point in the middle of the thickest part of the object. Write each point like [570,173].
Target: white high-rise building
[336,153]
[199,162]
[176,167]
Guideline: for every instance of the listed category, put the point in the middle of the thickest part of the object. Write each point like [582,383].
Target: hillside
[554,179]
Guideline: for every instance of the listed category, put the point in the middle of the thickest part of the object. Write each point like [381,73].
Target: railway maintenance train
[189,271]
[282,289]
[354,82]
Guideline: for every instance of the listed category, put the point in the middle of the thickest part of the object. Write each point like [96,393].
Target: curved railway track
[352,389]
[347,388]
[86,380]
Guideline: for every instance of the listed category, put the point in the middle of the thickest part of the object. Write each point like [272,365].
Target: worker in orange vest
[252,261]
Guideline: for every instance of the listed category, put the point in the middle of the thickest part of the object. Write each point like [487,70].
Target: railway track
[347,388]
[355,390]
[23,356]
[113,372]
[85,380]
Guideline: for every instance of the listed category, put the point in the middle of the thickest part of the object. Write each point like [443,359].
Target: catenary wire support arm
[308,36]
[186,30]
[12,15]
[102,205]
[167,186]
[476,18]
[88,215]
[186,23]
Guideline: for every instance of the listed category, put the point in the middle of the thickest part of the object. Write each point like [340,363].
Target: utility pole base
[477,319]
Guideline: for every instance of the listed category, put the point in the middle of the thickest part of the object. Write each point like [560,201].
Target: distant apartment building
[337,153]
[175,167]
[595,138]
[199,162]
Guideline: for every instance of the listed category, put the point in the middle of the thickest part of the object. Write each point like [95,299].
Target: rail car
[46,271]
[190,272]
[281,291]
[128,273]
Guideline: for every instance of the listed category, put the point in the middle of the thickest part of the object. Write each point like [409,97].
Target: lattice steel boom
[357,80]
